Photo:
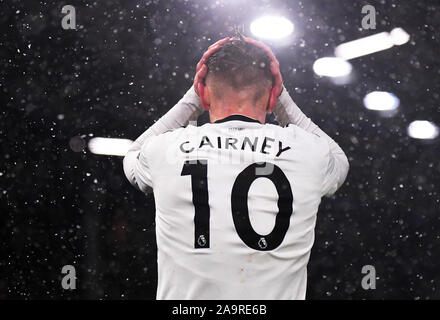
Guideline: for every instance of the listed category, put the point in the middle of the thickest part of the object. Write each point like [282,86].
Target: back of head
[239,65]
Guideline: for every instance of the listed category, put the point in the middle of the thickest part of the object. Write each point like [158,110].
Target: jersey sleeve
[142,171]
[136,166]
[287,112]
[137,169]
[335,172]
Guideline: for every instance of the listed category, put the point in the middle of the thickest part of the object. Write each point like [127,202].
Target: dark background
[128,62]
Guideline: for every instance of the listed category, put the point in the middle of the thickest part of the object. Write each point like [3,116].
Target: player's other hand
[277,87]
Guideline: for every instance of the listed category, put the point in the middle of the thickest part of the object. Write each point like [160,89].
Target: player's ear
[270,100]
[204,94]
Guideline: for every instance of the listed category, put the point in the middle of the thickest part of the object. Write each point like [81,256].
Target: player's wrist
[193,98]
[282,100]
[286,111]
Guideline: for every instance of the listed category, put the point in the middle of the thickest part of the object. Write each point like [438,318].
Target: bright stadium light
[109,146]
[371,44]
[422,129]
[399,36]
[381,101]
[272,27]
[332,67]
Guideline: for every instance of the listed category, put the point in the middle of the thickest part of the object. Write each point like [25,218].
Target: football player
[236,199]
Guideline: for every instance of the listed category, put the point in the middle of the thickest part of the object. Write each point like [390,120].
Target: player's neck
[250,112]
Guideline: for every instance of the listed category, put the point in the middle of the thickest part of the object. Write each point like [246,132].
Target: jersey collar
[235,117]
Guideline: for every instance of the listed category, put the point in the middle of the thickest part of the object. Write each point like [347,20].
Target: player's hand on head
[198,79]
[202,68]
[274,68]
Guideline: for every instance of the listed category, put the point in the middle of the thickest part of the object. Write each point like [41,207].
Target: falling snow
[127,63]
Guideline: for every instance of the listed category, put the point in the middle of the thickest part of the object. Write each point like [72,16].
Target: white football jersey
[236,204]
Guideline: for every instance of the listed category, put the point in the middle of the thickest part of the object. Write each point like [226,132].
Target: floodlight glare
[109,146]
[399,36]
[381,101]
[422,129]
[332,67]
[371,44]
[272,27]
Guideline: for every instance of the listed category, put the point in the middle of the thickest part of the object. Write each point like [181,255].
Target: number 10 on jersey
[198,170]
